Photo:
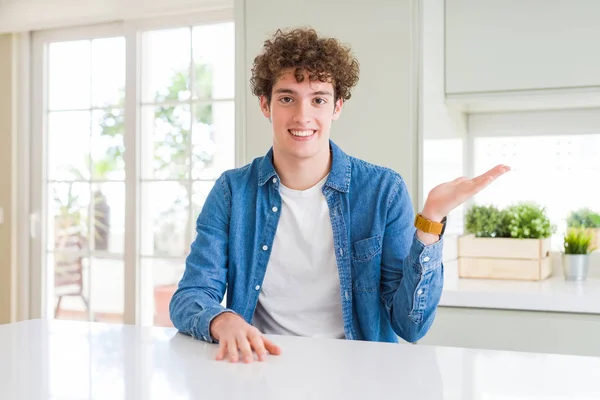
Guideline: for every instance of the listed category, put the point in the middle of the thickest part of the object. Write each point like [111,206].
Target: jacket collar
[339,175]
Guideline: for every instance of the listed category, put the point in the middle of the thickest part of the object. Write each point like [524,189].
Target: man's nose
[303,112]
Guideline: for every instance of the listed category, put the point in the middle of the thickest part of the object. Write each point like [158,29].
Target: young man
[308,240]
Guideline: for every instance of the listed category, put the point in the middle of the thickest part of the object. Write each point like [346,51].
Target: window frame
[132,31]
[524,123]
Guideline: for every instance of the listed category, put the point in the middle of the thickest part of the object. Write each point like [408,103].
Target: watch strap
[429,226]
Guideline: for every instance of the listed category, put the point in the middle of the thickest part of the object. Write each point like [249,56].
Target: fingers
[245,340]
[258,345]
[222,350]
[460,180]
[493,173]
[271,347]
[232,350]
[245,349]
[480,182]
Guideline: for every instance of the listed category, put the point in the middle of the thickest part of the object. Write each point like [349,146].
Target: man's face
[301,114]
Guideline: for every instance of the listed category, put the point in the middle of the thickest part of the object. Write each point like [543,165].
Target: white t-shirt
[300,294]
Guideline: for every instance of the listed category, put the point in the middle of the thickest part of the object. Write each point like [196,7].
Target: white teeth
[302,133]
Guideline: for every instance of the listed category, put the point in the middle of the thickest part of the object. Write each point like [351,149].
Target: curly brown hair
[324,59]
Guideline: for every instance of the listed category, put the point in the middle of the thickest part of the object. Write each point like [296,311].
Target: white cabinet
[378,123]
[521,45]
[512,330]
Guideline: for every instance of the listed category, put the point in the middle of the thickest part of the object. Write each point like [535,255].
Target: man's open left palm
[447,196]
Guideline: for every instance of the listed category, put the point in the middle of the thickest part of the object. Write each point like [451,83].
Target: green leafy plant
[523,220]
[583,218]
[578,241]
[486,221]
[528,221]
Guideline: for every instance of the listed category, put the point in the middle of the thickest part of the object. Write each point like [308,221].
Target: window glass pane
[214,61]
[69,79]
[108,148]
[69,145]
[108,72]
[108,210]
[558,172]
[166,142]
[166,58]
[200,191]
[86,288]
[213,139]
[68,217]
[165,216]
[166,274]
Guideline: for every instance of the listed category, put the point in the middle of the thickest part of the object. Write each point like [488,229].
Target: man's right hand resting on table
[233,334]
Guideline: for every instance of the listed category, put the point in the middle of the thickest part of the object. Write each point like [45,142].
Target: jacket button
[265,247]
[274,209]
[426,259]
[257,287]
[274,180]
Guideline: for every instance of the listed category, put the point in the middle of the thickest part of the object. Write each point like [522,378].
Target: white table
[76,360]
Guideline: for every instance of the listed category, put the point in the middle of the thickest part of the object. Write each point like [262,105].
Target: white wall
[8,273]
[378,123]
[516,45]
[439,121]
[30,15]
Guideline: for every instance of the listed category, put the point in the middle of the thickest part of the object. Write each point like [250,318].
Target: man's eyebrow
[317,93]
[323,93]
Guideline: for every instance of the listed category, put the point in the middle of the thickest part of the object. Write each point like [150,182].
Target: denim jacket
[390,281]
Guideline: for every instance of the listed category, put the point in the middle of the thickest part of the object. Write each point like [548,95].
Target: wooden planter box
[504,258]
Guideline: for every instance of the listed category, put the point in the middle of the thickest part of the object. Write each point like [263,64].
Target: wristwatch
[429,226]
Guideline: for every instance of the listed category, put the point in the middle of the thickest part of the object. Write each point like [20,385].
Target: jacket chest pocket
[366,264]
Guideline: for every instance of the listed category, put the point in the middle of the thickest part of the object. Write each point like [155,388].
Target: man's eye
[285,99]
[320,101]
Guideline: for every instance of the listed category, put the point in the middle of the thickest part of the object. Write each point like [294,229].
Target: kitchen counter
[79,360]
[553,294]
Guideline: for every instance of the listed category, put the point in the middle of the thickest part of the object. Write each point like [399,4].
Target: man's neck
[302,174]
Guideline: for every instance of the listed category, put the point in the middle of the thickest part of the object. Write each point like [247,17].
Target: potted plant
[575,259]
[588,220]
[509,243]
[486,221]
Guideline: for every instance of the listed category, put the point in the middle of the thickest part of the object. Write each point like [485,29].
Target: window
[556,171]
[554,156]
[85,180]
[187,140]
[126,146]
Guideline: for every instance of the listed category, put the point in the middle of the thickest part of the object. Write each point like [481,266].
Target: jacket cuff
[203,320]
[427,257]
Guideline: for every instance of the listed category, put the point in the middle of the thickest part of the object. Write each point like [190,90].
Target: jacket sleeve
[198,298]
[411,272]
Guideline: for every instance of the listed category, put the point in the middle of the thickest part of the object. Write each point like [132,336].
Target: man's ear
[265,107]
[338,108]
